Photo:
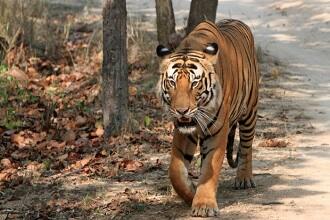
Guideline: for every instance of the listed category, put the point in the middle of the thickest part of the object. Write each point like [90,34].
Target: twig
[89,45]
[8,211]
[71,57]
[272,203]
[14,39]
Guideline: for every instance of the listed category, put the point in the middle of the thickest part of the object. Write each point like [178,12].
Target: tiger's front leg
[213,151]
[183,150]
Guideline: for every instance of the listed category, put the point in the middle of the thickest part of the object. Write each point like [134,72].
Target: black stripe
[215,117]
[210,78]
[188,157]
[177,65]
[192,66]
[251,114]
[185,156]
[245,147]
[248,130]
[205,82]
[249,121]
[186,52]
[210,98]
[209,136]
[247,136]
[194,59]
[164,99]
[192,139]
[205,154]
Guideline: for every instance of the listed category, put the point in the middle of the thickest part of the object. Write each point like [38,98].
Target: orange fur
[210,84]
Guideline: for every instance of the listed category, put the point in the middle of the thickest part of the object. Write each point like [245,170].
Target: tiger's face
[189,87]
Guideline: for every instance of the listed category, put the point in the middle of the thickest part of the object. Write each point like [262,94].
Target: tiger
[209,85]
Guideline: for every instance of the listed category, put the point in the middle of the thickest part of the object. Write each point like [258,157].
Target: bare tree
[114,68]
[201,10]
[165,21]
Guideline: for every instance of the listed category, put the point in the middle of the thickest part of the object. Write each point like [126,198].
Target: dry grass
[40,26]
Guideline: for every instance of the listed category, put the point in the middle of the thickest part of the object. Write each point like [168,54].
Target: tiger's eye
[194,84]
[171,82]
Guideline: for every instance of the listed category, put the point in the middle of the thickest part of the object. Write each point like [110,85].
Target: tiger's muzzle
[184,121]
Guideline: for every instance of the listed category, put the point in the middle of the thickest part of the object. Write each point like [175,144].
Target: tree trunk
[201,10]
[114,68]
[165,21]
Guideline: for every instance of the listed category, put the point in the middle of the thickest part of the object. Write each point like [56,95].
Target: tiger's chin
[186,126]
[187,130]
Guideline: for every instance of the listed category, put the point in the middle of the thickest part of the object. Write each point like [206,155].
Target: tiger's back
[243,76]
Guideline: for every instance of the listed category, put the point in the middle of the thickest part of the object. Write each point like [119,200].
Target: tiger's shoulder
[235,29]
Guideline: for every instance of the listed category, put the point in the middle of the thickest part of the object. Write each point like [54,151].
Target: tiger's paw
[244,183]
[205,210]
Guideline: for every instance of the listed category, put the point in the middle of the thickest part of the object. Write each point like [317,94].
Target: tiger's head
[189,87]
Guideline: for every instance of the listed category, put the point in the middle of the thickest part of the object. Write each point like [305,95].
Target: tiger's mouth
[187,122]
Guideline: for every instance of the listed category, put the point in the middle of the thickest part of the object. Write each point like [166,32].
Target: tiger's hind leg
[244,176]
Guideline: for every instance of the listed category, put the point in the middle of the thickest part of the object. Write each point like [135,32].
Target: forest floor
[53,166]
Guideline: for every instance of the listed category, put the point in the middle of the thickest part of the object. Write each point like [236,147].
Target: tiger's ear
[211,51]
[162,51]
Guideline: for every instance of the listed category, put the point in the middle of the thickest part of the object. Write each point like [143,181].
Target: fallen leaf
[82,142]
[60,202]
[73,156]
[69,125]
[54,144]
[131,165]
[273,143]
[6,163]
[19,75]
[69,137]
[80,121]
[34,166]
[83,162]
[104,152]
[132,90]
[18,155]
[32,72]
[63,157]
[27,138]
[34,112]
[98,124]
[5,174]
[18,139]
[147,121]
[98,132]
[77,75]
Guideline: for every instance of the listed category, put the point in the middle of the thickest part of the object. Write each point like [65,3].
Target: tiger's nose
[182,111]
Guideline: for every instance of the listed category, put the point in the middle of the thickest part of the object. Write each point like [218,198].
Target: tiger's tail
[231,137]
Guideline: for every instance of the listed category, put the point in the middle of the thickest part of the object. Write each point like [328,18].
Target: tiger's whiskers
[201,121]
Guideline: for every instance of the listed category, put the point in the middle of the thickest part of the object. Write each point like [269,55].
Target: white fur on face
[196,73]
[187,130]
